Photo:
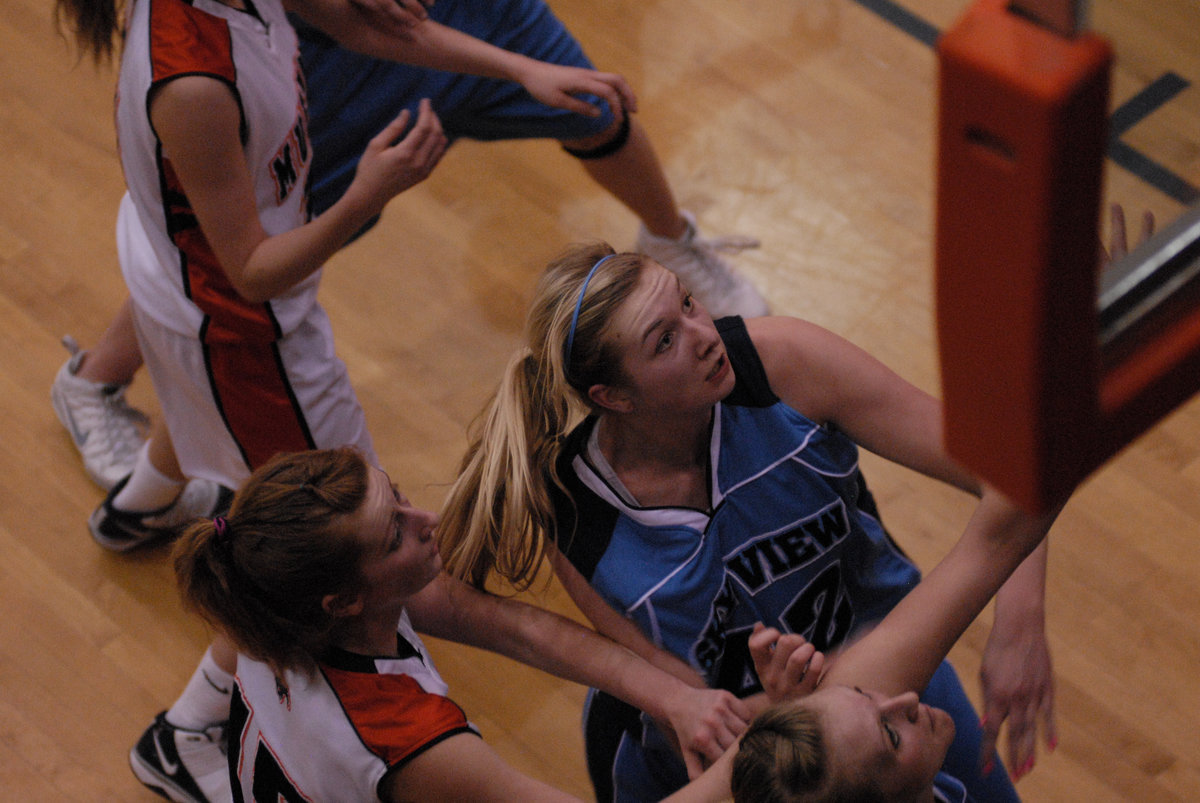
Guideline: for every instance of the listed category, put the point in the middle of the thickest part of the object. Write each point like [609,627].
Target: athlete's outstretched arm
[371,28]
[716,733]
[464,767]
[901,653]
[831,380]
[706,720]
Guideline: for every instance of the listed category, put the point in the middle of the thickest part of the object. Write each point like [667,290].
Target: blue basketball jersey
[792,538]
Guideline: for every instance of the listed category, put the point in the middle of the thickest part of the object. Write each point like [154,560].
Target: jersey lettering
[765,560]
[821,611]
[285,170]
[292,156]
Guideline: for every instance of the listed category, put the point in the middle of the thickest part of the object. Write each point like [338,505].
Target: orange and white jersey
[166,260]
[334,735]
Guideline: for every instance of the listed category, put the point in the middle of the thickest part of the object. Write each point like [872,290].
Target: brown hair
[498,514]
[261,574]
[93,23]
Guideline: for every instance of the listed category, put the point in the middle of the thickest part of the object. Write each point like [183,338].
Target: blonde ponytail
[501,488]
[500,512]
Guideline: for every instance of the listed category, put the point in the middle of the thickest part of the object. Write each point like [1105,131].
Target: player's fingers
[1118,241]
[723,737]
[1147,226]
[573,104]
[1049,725]
[427,137]
[427,120]
[391,14]
[1023,735]
[762,637]
[1022,740]
[695,767]
[737,714]
[628,98]
[609,94]
[415,7]
[735,725]
[797,666]
[990,726]
[815,668]
[392,131]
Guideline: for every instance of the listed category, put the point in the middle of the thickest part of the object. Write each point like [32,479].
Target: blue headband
[578,306]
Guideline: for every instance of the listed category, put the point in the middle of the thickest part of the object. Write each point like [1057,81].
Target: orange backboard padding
[1022,133]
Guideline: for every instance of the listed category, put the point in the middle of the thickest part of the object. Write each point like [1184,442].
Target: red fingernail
[1053,743]
[988,767]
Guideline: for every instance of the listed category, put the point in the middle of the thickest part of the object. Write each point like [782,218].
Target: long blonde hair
[499,512]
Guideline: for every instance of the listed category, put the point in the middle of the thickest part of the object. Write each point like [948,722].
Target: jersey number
[270,781]
[821,612]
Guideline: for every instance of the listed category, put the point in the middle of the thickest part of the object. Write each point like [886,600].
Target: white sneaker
[698,263]
[182,765]
[107,432]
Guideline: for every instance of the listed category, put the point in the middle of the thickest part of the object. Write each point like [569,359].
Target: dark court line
[1153,173]
[1155,95]
[903,19]
[1143,104]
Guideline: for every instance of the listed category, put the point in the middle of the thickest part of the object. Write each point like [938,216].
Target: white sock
[148,488]
[205,699]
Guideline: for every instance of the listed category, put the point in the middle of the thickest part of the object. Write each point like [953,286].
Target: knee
[603,144]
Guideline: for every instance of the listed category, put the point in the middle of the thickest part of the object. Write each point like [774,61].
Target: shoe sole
[126,544]
[156,782]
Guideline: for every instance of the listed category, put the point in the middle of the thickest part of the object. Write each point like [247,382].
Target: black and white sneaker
[119,530]
[183,765]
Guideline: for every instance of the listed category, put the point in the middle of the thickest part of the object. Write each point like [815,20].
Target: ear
[342,605]
[611,398]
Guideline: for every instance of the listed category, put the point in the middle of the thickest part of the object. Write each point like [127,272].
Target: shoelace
[126,423]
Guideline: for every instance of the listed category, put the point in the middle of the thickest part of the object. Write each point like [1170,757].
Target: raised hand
[1018,688]
[1118,239]
[788,665]
[395,160]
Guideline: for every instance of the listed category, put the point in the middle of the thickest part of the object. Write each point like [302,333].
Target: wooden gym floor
[806,124]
